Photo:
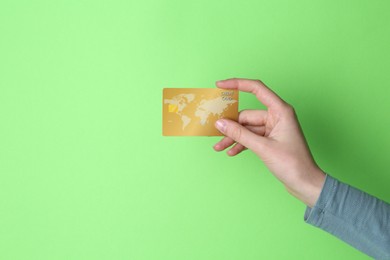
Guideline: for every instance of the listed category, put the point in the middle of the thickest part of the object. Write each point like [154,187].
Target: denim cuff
[315,215]
[356,217]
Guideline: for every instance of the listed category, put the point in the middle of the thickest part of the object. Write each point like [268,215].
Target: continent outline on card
[193,111]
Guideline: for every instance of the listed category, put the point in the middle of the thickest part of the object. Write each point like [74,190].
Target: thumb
[240,134]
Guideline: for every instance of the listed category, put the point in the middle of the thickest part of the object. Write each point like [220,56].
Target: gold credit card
[194,111]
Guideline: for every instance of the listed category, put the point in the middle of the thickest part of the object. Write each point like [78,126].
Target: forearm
[354,216]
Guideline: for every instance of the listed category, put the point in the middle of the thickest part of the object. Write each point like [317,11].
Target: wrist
[308,186]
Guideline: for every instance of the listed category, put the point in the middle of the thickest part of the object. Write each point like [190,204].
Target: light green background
[85,172]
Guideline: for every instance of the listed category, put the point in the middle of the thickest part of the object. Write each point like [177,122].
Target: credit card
[194,111]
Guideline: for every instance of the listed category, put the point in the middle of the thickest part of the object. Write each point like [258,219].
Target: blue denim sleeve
[353,216]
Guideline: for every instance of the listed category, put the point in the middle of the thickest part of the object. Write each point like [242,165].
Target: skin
[276,137]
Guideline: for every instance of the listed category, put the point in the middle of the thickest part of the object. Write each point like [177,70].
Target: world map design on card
[194,111]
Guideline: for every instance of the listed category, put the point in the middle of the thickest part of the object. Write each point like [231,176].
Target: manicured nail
[221,125]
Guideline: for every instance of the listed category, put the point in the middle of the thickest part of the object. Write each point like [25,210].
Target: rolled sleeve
[353,216]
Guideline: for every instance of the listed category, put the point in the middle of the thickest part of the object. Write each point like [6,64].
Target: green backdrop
[85,172]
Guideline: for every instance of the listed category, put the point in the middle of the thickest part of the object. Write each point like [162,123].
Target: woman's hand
[276,137]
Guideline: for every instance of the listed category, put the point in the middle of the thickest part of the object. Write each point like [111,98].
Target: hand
[276,137]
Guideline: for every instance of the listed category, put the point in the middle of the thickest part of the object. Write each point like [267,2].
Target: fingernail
[220,125]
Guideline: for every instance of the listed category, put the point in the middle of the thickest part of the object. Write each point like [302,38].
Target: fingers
[252,117]
[223,144]
[236,149]
[240,134]
[265,95]
[226,142]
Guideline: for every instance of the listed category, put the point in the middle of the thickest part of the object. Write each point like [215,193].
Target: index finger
[265,95]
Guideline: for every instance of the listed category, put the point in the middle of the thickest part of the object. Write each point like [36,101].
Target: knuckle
[236,133]
[243,116]
[289,109]
[259,81]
